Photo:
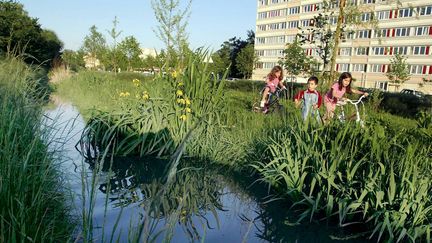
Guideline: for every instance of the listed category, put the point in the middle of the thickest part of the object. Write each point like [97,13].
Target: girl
[336,92]
[273,80]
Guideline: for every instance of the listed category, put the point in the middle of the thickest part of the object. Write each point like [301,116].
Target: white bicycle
[358,117]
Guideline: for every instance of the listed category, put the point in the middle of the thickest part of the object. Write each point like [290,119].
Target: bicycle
[272,102]
[342,118]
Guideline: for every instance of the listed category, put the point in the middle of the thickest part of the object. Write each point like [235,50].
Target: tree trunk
[336,41]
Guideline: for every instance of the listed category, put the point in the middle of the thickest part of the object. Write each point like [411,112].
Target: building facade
[403,27]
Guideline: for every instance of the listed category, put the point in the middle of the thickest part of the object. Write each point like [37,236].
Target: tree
[398,71]
[295,61]
[320,34]
[348,19]
[150,62]
[246,60]
[48,47]
[131,51]
[94,44]
[221,60]
[233,46]
[22,35]
[114,55]
[73,60]
[172,24]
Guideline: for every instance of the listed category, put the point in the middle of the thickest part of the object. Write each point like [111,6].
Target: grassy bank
[33,205]
[378,175]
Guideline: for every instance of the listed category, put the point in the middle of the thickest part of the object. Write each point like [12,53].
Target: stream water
[131,201]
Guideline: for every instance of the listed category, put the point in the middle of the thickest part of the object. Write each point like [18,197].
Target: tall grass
[154,119]
[33,203]
[351,175]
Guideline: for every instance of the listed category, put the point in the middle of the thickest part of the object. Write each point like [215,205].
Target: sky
[211,22]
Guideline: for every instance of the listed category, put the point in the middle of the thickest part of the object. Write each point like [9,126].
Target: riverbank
[34,201]
[340,172]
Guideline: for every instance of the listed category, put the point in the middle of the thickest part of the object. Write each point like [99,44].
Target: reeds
[352,176]
[33,203]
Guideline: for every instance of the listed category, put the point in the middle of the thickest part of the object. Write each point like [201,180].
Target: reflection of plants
[191,194]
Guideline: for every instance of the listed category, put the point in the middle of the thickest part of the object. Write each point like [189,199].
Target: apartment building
[403,26]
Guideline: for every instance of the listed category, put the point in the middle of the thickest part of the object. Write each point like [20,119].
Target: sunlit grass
[352,175]
[33,200]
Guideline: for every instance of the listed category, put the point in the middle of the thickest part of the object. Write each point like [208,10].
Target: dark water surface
[203,204]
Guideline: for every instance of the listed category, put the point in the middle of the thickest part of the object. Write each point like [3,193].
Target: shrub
[404,104]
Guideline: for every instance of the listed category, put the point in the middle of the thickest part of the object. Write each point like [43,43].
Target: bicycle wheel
[256,106]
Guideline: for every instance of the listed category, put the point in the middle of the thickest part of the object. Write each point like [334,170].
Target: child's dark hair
[275,69]
[343,76]
[313,78]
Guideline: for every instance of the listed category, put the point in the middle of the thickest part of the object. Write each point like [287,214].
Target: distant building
[91,62]
[405,28]
[145,52]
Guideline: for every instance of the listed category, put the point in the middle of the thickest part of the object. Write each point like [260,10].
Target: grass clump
[33,205]
[347,174]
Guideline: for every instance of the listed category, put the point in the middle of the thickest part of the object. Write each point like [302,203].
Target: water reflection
[200,203]
[189,198]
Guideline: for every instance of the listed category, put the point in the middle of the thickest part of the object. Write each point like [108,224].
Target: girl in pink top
[336,92]
[273,80]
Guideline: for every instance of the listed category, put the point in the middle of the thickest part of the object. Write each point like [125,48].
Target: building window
[294,10]
[402,32]
[379,51]
[273,53]
[377,68]
[262,15]
[334,4]
[422,30]
[359,67]
[405,13]
[259,53]
[426,10]
[403,50]
[292,24]
[290,38]
[365,17]
[361,51]
[260,40]
[382,33]
[368,1]
[345,51]
[344,67]
[420,50]
[382,15]
[309,8]
[416,69]
[269,64]
[381,85]
[363,34]
[305,22]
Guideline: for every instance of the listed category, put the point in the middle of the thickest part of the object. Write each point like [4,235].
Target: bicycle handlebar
[353,102]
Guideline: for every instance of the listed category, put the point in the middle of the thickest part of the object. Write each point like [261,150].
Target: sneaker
[262,104]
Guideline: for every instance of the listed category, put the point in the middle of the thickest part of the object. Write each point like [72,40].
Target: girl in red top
[273,80]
